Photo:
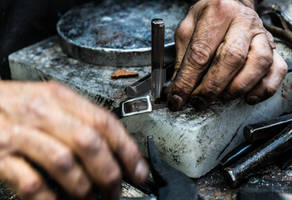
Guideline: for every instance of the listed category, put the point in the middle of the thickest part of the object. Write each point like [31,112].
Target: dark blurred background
[23,22]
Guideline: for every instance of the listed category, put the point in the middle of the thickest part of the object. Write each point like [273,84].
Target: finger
[183,35]
[269,85]
[229,59]
[259,61]
[26,181]
[206,38]
[88,144]
[109,127]
[50,154]
[91,148]
[45,112]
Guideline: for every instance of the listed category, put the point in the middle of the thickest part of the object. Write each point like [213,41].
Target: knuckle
[223,6]
[252,14]
[199,53]
[82,187]
[183,32]
[233,57]
[129,151]
[238,88]
[104,120]
[269,36]
[216,3]
[88,142]
[210,89]
[113,178]
[264,60]
[270,91]
[283,69]
[30,186]
[183,87]
[62,160]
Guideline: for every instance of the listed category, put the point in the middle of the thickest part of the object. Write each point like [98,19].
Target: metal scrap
[120,73]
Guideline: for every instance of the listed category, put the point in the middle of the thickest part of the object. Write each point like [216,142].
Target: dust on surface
[120,24]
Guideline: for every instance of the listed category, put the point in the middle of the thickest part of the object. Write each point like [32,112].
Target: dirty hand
[76,142]
[222,46]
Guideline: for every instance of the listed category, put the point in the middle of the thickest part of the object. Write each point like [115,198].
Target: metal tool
[143,85]
[151,84]
[158,75]
[255,135]
[236,154]
[259,157]
[266,130]
[140,87]
[171,183]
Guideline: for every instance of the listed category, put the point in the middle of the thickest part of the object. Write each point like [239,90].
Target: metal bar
[140,87]
[260,157]
[266,130]
[143,85]
[157,58]
[236,154]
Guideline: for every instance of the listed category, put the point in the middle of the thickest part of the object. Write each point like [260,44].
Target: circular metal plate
[118,32]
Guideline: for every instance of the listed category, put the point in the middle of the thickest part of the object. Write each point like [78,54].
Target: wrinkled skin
[51,126]
[223,48]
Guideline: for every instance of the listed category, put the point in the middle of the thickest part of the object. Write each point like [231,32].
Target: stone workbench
[192,141]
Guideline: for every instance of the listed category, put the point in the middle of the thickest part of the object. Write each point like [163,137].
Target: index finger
[206,38]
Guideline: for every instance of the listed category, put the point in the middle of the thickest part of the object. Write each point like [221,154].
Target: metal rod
[266,130]
[260,157]
[237,154]
[157,58]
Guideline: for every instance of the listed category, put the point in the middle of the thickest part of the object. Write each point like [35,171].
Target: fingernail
[175,103]
[141,171]
[199,102]
[226,97]
[253,100]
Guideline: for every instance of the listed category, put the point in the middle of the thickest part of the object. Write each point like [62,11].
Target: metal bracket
[136,106]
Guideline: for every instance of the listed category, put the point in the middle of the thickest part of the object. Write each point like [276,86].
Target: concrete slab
[189,140]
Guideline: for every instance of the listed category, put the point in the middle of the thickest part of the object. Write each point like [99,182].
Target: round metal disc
[118,32]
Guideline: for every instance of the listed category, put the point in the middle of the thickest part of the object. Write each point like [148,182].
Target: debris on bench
[120,73]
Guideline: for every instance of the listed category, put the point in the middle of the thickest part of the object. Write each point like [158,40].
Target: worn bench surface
[45,61]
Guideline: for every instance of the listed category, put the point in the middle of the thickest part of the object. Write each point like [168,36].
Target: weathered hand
[222,46]
[50,125]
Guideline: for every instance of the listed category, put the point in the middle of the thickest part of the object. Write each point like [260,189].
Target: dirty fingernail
[253,100]
[175,102]
[141,171]
[199,102]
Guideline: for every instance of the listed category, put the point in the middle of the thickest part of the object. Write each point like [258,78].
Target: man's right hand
[223,48]
[48,124]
